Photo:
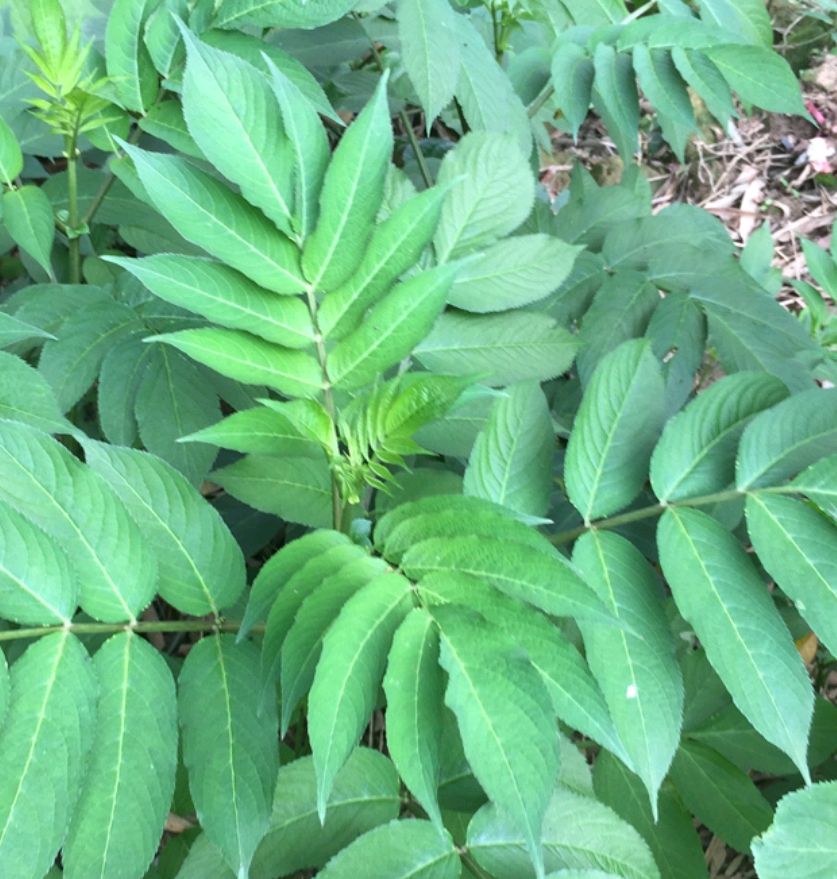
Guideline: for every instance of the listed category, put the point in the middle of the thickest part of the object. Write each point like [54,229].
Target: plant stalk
[644,513]
[73,239]
[115,628]
[328,401]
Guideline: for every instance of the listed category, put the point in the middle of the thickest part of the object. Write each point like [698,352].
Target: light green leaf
[351,196]
[787,438]
[128,63]
[233,116]
[279,568]
[748,19]
[635,666]
[38,586]
[201,566]
[71,362]
[453,516]
[511,273]
[122,372]
[720,795]
[229,746]
[116,828]
[661,82]
[549,582]
[297,489]
[249,359]
[162,38]
[302,643]
[300,584]
[491,193]
[254,49]
[223,296]
[511,462]
[41,480]
[705,78]
[576,697]
[25,396]
[760,76]
[801,840]
[411,849]
[14,330]
[751,330]
[617,424]
[430,51]
[395,246]
[819,483]
[27,217]
[11,158]
[622,309]
[4,688]
[393,326]
[615,98]
[210,215]
[173,398]
[309,146]
[48,731]
[719,592]
[165,121]
[414,690]
[695,454]
[501,348]
[485,92]
[672,838]
[578,833]
[349,673]
[280,13]
[262,431]
[572,75]
[365,795]
[796,543]
[505,718]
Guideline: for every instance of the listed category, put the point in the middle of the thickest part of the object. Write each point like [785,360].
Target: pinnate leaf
[635,666]
[209,214]
[351,196]
[223,296]
[410,849]
[491,192]
[233,116]
[615,429]
[249,359]
[229,746]
[796,544]
[349,673]
[786,438]
[200,564]
[414,688]
[391,329]
[116,572]
[578,833]
[511,462]
[127,792]
[719,592]
[800,839]
[504,715]
[47,734]
[696,452]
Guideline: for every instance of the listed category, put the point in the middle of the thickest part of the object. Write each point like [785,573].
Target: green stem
[644,513]
[74,242]
[535,107]
[328,401]
[114,628]
[105,188]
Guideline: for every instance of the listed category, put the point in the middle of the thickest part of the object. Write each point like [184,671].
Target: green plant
[504,517]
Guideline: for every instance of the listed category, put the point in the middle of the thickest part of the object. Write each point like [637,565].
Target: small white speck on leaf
[631,692]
